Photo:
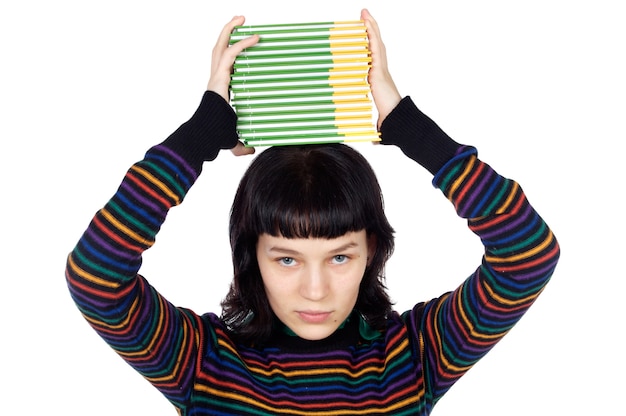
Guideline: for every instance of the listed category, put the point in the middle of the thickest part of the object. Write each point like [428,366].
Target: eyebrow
[285,250]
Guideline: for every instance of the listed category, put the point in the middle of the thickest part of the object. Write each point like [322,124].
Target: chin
[316,334]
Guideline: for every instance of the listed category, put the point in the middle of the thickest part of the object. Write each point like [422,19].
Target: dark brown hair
[318,191]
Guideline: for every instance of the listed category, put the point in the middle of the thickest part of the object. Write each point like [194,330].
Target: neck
[352,332]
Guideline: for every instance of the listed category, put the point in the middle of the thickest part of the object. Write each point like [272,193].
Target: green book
[303,83]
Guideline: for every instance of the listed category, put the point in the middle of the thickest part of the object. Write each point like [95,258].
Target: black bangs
[310,203]
[319,191]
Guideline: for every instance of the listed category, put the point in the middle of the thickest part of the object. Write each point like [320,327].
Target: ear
[371,248]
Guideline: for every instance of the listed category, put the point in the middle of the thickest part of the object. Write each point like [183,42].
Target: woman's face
[312,284]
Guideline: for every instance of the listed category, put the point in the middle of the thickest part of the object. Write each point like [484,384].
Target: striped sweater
[404,370]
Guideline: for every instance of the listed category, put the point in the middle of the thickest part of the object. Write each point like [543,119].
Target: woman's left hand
[384,92]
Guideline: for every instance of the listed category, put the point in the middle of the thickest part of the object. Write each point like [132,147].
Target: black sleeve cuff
[419,137]
[212,127]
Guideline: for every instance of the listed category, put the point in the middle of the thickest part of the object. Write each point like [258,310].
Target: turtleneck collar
[353,331]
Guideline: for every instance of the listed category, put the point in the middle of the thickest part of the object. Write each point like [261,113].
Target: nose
[314,284]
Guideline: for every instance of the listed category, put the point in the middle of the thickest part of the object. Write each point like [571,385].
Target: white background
[537,86]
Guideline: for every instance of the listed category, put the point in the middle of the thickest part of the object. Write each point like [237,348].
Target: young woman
[307,327]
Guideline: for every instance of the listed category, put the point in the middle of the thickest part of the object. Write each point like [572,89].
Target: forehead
[349,241]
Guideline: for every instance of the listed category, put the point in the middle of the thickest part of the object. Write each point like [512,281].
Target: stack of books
[302,84]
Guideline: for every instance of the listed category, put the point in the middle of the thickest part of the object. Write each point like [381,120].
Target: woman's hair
[317,191]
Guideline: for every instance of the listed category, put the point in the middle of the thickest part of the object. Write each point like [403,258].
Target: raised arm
[520,255]
[455,330]
[153,336]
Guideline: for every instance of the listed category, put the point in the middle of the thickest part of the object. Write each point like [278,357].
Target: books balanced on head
[302,84]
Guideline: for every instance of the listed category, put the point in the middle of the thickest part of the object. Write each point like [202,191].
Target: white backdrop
[537,86]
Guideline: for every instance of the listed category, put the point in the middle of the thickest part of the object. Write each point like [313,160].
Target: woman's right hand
[223,57]
[222,60]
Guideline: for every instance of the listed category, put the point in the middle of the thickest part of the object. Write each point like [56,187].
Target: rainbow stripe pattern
[303,83]
[192,359]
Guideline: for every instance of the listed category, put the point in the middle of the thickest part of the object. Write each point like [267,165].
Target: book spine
[303,83]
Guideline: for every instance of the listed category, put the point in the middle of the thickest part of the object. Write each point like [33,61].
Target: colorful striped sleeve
[139,324]
[154,337]
[520,256]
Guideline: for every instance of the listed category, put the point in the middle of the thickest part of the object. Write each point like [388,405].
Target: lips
[313,317]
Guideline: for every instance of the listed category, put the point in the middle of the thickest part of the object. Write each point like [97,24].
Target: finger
[376,47]
[224,37]
[240,149]
[369,19]
[224,57]
[223,40]
[373,31]
[236,48]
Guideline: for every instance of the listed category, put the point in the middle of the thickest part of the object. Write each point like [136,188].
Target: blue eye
[286,261]
[340,259]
